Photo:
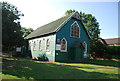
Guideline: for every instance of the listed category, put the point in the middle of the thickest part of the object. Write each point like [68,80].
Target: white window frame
[85,51]
[48,42]
[34,45]
[40,45]
[71,30]
[65,45]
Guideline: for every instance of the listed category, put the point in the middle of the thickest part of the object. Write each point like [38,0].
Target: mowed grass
[20,68]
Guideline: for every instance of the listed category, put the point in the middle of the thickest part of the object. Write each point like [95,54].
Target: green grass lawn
[20,68]
[98,62]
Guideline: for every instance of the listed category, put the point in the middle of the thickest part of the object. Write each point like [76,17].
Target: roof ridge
[53,21]
[70,15]
[54,26]
[50,27]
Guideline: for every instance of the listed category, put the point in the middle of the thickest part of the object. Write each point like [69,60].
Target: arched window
[40,48]
[63,45]
[34,45]
[75,30]
[85,47]
[48,45]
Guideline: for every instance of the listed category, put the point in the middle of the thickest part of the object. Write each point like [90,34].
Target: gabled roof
[52,26]
[102,41]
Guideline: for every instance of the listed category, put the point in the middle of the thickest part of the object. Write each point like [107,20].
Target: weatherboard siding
[64,32]
[50,55]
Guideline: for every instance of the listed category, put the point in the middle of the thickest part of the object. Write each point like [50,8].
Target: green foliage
[69,12]
[97,49]
[112,52]
[11,34]
[100,50]
[91,25]
[26,31]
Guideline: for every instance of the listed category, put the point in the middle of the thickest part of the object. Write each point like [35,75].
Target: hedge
[99,50]
[112,52]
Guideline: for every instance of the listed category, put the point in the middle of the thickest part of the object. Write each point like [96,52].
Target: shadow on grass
[29,69]
[97,62]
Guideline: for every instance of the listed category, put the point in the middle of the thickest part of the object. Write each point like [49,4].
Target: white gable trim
[86,29]
[77,15]
[65,22]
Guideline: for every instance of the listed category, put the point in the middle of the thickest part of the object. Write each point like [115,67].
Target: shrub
[113,52]
[99,50]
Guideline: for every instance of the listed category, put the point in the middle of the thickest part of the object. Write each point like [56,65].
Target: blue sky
[38,13]
[106,14]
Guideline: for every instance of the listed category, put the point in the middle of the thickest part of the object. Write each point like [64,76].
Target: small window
[85,47]
[63,45]
[48,45]
[75,30]
[34,45]
[40,47]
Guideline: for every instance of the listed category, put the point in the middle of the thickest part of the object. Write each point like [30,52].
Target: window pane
[34,45]
[40,45]
[47,45]
[63,45]
[75,30]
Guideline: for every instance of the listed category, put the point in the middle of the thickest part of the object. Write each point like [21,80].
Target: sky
[40,12]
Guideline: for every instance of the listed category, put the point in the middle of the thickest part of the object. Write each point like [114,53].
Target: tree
[69,12]
[97,49]
[26,31]
[11,34]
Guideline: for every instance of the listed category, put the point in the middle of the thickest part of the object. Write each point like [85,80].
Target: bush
[112,52]
[99,50]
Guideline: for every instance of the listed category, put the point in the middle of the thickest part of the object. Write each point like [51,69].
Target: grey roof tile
[48,28]
[53,27]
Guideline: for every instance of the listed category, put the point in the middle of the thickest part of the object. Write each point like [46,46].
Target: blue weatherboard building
[61,40]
